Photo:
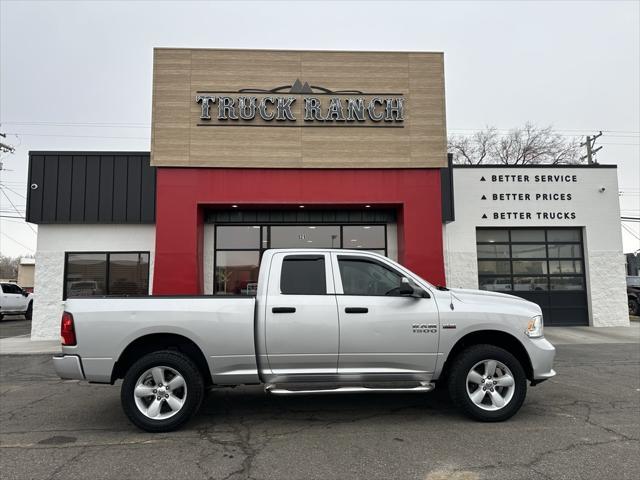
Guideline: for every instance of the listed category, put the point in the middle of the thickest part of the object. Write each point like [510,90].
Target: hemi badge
[449,325]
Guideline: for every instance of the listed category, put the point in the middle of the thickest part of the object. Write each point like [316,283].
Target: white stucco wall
[54,241]
[597,211]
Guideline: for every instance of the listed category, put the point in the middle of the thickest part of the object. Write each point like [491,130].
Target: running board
[423,387]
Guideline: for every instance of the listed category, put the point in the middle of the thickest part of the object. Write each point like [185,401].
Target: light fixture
[367,206]
[312,228]
[234,206]
[309,241]
[300,206]
[255,226]
[366,228]
[354,240]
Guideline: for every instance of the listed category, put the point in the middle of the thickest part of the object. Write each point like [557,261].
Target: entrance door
[301,316]
[378,339]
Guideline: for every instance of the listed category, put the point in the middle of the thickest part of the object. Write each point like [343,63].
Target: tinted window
[303,275]
[128,274]
[10,288]
[366,236]
[86,274]
[305,237]
[122,274]
[237,272]
[245,237]
[366,277]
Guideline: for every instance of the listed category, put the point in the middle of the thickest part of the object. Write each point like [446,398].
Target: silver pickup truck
[322,321]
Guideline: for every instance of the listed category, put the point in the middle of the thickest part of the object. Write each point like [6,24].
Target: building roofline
[86,152]
[595,165]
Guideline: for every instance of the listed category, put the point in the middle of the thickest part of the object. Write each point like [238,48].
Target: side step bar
[423,387]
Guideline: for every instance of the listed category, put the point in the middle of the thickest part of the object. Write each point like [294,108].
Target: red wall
[183,194]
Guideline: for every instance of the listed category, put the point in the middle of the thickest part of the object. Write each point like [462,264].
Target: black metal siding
[446,191]
[307,216]
[91,187]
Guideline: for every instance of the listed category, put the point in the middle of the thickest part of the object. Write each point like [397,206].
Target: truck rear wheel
[487,383]
[162,391]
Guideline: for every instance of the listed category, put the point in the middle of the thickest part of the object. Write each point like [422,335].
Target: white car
[15,301]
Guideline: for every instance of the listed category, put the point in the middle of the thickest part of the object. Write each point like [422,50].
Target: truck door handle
[283,310]
[356,310]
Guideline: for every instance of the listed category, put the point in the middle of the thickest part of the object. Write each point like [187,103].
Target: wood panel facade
[181,138]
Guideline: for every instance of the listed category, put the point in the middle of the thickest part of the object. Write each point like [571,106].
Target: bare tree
[9,267]
[528,145]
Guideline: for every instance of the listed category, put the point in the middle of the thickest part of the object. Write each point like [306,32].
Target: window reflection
[237,273]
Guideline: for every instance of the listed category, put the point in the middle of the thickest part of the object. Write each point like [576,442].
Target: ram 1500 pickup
[321,321]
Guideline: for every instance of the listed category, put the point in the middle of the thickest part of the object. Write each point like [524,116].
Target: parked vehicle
[322,321]
[15,301]
[633,295]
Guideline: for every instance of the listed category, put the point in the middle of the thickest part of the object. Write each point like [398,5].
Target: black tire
[194,390]
[634,307]
[462,365]
[29,313]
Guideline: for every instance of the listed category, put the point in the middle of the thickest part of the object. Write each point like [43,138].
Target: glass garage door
[543,265]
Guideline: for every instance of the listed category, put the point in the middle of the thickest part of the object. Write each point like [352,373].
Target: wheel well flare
[491,337]
[160,341]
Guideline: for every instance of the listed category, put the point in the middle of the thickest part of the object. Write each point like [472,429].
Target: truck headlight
[534,327]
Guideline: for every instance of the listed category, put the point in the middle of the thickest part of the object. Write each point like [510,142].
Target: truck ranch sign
[301,103]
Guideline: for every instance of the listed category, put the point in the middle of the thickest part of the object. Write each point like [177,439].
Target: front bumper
[68,367]
[541,353]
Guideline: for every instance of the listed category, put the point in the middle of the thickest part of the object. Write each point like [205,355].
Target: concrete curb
[23,345]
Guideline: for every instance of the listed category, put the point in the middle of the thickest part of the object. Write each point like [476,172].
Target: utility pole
[5,148]
[590,143]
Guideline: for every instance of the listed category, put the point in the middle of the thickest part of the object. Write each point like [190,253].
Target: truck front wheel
[162,391]
[487,383]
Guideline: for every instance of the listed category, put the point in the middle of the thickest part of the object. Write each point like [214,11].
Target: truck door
[11,297]
[381,332]
[301,330]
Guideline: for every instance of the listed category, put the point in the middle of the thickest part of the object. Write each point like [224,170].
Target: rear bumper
[68,367]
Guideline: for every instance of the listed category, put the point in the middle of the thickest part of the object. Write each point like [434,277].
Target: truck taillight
[67,331]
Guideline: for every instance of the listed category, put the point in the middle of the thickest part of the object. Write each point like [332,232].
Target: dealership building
[256,149]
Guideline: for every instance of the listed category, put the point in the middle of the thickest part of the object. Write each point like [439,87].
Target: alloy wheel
[160,393]
[490,385]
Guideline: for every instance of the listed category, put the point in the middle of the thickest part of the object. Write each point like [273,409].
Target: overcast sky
[77,75]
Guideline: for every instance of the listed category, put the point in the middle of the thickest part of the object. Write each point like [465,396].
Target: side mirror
[408,289]
[405,287]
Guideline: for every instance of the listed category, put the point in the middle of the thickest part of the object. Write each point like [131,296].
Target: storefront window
[237,272]
[302,236]
[238,248]
[95,274]
[367,237]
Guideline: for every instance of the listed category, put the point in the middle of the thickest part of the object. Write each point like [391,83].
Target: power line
[12,191]
[76,136]
[630,231]
[16,208]
[15,241]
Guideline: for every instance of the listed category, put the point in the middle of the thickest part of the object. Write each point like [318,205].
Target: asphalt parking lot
[14,326]
[583,424]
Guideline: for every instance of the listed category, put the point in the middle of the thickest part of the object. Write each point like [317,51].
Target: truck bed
[220,324]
